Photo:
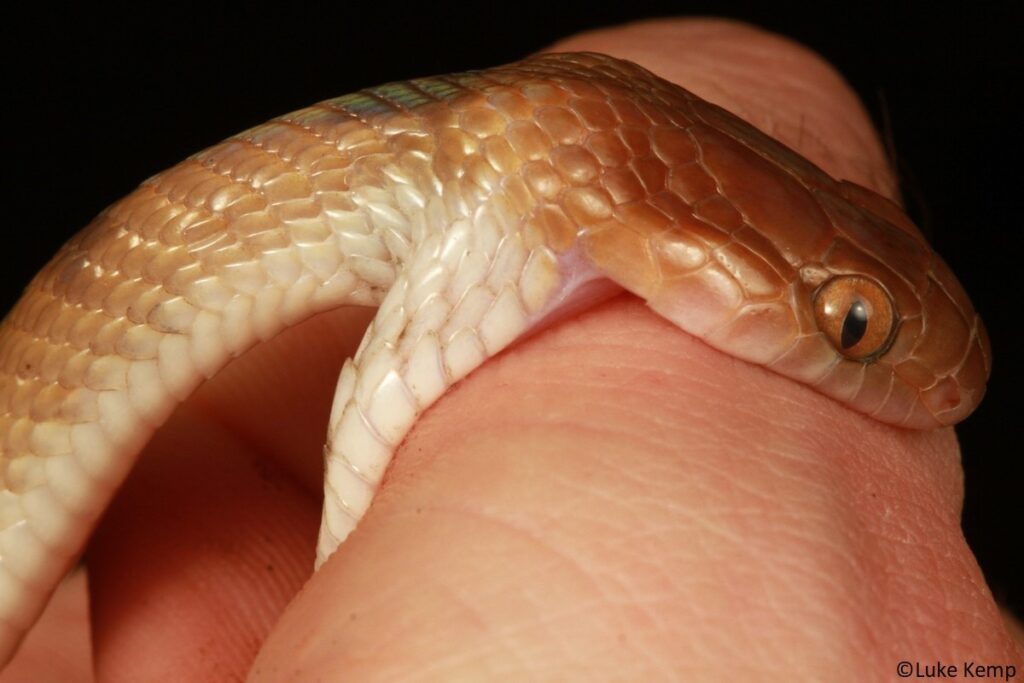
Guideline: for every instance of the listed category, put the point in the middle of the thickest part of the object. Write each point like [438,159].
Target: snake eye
[857,315]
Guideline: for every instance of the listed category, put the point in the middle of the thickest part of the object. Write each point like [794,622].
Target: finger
[57,647]
[613,495]
[775,83]
[214,530]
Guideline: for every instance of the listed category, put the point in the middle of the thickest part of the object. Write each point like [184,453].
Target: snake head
[740,241]
[929,359]
[830,285]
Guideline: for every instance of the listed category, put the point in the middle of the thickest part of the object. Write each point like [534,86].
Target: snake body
[469,208]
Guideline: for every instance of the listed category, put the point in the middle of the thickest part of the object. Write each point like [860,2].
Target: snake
[470,209]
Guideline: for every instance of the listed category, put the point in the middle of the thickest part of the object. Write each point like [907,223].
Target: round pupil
[855,324]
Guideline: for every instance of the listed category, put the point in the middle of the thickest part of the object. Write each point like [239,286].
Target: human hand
[610,499]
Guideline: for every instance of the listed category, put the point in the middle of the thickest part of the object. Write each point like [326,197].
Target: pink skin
[609,496]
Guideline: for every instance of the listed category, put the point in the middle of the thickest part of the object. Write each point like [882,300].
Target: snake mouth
[583,296]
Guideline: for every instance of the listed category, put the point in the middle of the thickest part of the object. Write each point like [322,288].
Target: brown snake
[469,208]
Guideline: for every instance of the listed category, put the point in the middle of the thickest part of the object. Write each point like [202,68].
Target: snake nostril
[943,397]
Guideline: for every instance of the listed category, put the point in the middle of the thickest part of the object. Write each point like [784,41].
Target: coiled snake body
[470,208]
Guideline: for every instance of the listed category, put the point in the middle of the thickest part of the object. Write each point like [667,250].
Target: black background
[97,100]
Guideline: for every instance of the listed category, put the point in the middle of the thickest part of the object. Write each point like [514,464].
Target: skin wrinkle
[630,513]
[861,525]
[555,622]
[920,621]
[636,606]
[803,534]
[651,609]
[917,607]
[535,540]
[504,652]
